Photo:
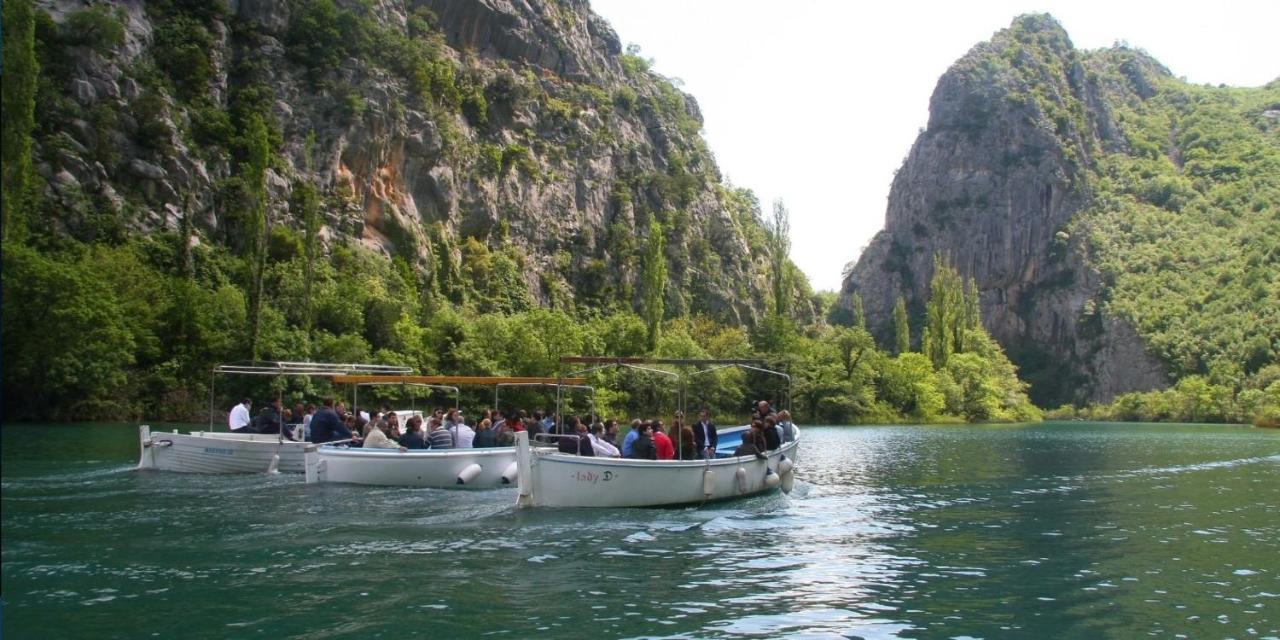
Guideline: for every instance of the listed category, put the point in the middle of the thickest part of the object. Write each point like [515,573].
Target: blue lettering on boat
[220,451]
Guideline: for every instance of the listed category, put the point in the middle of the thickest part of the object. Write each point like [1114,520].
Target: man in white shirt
[457,426]
[602,447]
[239,419]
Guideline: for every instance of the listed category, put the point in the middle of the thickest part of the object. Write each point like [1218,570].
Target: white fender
[708,482]
[310,460]
[274,465]
[771,479]
[788,481]
[785,465]
[740,479]
[469,473]
[511,474]
[322,470]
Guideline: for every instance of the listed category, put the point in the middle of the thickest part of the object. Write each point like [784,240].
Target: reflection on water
[1049,530]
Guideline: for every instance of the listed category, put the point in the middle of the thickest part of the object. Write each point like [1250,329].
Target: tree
[255,169]
[901,328]
[780,249]
[653,274]
[17,113]
[68,354]
[944,313]
[859,315]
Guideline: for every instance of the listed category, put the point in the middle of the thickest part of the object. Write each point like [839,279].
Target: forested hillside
[460,187]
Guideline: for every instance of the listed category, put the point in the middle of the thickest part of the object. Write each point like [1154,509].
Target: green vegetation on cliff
[339,183]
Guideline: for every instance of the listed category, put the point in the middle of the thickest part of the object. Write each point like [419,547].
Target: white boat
[226,452]
[549,478]
[487,468]
[213,452]
[484,468]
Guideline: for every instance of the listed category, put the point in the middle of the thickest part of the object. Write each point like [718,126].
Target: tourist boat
[446,468]
[486,468]
[550,478]
[212,451]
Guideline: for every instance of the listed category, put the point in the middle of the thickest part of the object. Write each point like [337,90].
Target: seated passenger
[753,443]
[600,443]
[439,438]
[375,436]
[772,434]
[463,436]
[630,440]
[578,442]
[788,429]
[642,448]
[413,437]
[326,426]
[485,436]
[269,419]
[661,441]
[688,449]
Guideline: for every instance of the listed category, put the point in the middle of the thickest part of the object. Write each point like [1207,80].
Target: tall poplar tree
[255,170]
[859,315]
[653,282]
[17,113]
[780,247]
[944,313]
[901,327]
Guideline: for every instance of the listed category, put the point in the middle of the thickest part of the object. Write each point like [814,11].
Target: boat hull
[553,479]
[417,468]
[219,452]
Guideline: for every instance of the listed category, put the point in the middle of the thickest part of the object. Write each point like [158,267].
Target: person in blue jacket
[326,426]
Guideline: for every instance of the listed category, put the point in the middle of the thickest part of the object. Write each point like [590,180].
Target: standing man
[239,420]
[704,435]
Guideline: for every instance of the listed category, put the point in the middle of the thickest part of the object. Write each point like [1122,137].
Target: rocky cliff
[1017,130]
[437,132]
[1122,225]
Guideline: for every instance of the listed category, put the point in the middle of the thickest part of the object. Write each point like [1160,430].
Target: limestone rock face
[1015,128]
[522,130]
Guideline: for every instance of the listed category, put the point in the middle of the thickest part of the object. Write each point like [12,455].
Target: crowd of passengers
[646,439]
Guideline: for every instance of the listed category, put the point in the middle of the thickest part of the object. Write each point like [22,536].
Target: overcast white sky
[817,102]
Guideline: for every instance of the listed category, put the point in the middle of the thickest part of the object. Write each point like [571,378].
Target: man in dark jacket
[326,426]
[579,442]
[269,419]
[704,436]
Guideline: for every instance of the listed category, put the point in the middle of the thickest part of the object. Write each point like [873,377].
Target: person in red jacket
[666,449]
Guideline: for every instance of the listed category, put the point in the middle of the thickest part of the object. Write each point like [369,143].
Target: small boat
[549,478]
[444,468]
[212,451]
[469,468]
[220,452]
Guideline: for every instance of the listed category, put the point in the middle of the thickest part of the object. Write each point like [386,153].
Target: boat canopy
[452,380]
[705,366]
[289,368]
[273,368]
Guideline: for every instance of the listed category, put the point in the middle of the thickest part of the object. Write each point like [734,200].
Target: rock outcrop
[426,127]
[1015,131]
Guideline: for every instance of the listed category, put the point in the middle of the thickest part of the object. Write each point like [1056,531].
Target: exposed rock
[538,172]
[83,92]
[992,183]
[143,169]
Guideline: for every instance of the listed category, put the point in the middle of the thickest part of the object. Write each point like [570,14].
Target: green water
[1055,530]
